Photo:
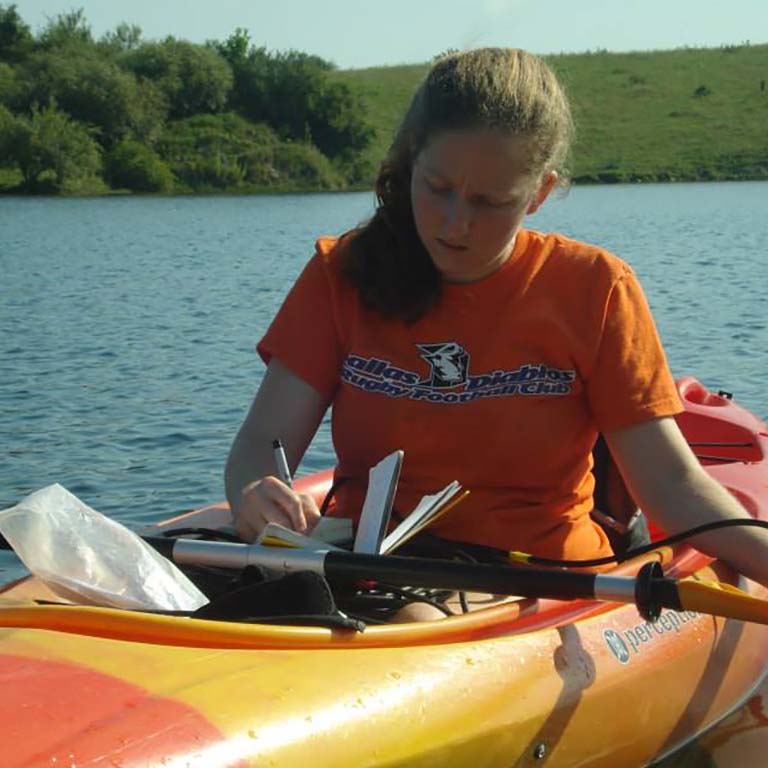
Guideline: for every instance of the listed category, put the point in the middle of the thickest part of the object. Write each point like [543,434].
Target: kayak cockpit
[730,442]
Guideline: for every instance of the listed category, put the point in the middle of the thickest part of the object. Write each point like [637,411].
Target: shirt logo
[449,364]
[448,379]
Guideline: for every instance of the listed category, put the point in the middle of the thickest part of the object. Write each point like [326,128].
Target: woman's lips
[451,246]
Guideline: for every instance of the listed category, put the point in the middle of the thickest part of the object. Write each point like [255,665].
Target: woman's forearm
[250,459]
[698,499]
[285,408]
[668,483]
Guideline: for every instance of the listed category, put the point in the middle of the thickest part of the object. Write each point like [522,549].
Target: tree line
[126,113]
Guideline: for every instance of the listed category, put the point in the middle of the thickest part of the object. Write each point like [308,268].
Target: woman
[491,354]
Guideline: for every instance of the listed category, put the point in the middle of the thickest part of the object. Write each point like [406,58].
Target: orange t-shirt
[502,386]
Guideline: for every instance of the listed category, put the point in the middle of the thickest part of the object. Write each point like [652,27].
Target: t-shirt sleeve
[630,381]
[304,334]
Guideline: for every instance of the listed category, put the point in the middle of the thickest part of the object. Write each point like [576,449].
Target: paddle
[650,591]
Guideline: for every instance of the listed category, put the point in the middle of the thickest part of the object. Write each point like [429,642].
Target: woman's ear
[548,183]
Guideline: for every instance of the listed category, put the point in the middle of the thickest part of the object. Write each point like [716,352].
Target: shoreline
[598,180]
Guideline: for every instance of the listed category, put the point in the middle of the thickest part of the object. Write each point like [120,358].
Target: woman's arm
[669,484]
[285,408]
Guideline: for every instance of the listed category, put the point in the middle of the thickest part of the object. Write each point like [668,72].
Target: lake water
[127,325]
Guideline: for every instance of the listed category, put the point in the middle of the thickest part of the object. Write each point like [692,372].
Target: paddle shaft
[340,566]
[649,591]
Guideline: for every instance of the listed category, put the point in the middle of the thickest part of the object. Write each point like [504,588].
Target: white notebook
[425,512]
[377,507]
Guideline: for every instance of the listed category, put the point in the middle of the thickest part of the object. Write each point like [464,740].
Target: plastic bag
[89,558]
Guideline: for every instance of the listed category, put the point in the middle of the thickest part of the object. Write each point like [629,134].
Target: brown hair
[500,88]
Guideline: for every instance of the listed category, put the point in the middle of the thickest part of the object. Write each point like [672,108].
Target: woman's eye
[488,203]
[436,188]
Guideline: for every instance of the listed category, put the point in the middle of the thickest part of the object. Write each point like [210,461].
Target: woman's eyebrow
[502,193]
[432,171]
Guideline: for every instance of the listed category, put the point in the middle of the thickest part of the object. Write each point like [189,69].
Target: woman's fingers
[310,510]
[269,500]
[245,527]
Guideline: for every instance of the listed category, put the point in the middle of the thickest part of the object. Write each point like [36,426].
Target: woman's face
[470,191]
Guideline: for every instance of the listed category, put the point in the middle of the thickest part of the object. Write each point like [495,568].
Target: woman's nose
[456,218]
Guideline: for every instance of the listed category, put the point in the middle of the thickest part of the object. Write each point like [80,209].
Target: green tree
[195,79]
[92,90]
[51,143]
[7,83]
[250,93]
[147,113]
[67,30]
[291,91]
[235,48]
[125,37]
[295,85]
[282,89]
[337,122]
[16,40]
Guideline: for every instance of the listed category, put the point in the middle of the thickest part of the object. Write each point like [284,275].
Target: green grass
[637,115]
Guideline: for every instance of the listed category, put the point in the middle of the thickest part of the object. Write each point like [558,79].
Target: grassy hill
[653,116]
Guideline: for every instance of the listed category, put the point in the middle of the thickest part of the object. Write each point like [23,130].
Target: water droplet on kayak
[394,675]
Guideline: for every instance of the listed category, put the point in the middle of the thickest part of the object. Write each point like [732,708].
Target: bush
[52,144]
[134,166]
[227,151]
[357,169]
[306,166]
[219,151]
[10,129]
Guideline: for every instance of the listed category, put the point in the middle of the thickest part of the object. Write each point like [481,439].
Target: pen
[281,463]
[632,520]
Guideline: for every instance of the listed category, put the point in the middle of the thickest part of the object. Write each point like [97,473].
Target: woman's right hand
[269,500]
[288,408]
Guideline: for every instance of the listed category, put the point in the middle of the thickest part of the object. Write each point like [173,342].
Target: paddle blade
[718,599]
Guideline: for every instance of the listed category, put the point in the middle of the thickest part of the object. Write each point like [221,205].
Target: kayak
[526,682]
